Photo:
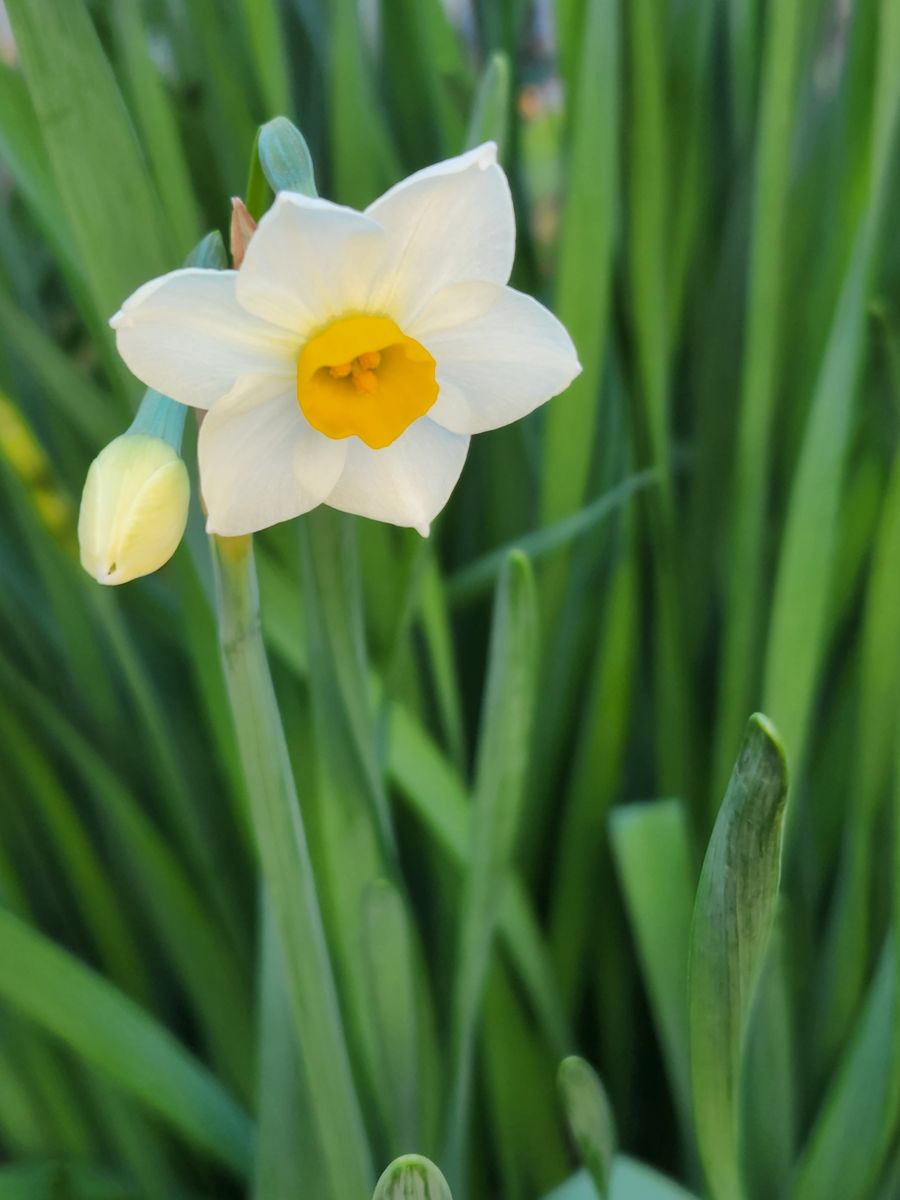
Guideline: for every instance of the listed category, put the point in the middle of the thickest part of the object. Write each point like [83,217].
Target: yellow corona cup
[134,508]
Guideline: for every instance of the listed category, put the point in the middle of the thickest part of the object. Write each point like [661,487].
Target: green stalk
[288,874]
[740,672]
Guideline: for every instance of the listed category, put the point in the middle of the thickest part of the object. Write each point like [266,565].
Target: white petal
[262,463]
[499,355]
[310,260]
[185,335]
[407,483]
[451,222]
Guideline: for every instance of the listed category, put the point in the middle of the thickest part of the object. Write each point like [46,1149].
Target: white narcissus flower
[353,355]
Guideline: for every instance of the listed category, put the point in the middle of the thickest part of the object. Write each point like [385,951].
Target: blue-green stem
[158,416]
[288,874]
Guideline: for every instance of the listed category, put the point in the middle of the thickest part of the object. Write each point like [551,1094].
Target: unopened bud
[133,509]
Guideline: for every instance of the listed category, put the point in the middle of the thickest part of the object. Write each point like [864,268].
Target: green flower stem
[288,875]
[160,417]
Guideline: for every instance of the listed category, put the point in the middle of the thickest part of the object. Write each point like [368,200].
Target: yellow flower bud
[133,509]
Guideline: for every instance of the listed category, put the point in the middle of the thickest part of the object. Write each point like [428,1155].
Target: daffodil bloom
[353,355]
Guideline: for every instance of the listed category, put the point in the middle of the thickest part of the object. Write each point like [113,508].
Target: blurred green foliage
[710,520]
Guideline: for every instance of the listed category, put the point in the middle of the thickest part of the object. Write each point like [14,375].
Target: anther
[341,371]
[365,381]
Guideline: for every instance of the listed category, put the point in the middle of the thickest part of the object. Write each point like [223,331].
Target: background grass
[709,523]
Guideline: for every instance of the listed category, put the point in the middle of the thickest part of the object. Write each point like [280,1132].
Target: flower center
[362,375]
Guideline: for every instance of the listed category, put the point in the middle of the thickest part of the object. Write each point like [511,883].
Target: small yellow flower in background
[23,451]
[134,508]
[353,355]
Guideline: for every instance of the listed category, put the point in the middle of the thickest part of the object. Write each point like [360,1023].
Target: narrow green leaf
[412,1178]
[101,177]
[435,792]
[647,231]
[90,887]
[523,1106]
[108,1030]
[76,1181]
[770,1092]
[595,775]
[847,943]
[590,1119]
[26,159]
[584,273]
[506,720]
[78,402]
[475,578]
[388,953]
[287,1148]
[733,916]
[799,631]
[158,124]
[425,73]
[134,1136]
[489,119]
[363,156]
[438,633]
[338,667]
[652,851]
[743,25]
[269,48]
[759,377]
[858,1120]
[215,53]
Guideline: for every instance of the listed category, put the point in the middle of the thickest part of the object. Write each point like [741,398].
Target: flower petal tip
[423,529]
[486,155]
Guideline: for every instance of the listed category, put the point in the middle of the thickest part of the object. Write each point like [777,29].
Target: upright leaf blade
[858,1120]
[585,260]
[759,379]
[733,917]
[100,173]
[499,788]
[590,1119]
[651,846]
[287,1146]
[489,118]
[388,952]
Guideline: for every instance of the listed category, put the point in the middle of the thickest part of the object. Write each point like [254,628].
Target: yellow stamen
[365,381]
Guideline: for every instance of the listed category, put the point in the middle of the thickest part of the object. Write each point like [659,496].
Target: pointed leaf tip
[590,1119]
[412,1177]
[733,916]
